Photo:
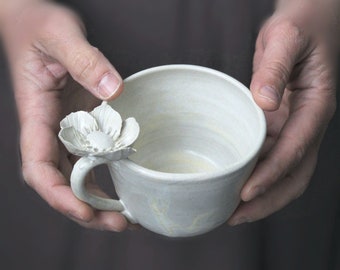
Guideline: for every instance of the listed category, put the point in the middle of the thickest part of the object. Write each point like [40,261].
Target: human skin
[294,82]
[47,51]
[52,63]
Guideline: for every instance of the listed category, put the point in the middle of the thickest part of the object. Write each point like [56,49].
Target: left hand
[293,82]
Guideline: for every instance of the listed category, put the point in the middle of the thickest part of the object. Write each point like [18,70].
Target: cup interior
[192,119]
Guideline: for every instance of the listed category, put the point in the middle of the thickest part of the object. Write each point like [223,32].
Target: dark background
[304,235]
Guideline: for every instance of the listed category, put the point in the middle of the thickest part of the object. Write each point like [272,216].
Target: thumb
[85,63]
[275,57]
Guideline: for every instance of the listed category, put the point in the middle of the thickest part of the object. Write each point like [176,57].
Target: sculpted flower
[99,133]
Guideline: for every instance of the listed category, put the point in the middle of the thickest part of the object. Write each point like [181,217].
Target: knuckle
[301,189]
[301,186]
[27,175]
[85,62]
[289,31]
[301,178]
[300,152]
[292,30]
[289,36]
[55,204]
[279,71]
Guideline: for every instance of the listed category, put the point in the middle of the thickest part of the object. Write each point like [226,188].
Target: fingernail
[269,93]
[106,228]
[75,216]
[109,85]
[239,221]
[256,191]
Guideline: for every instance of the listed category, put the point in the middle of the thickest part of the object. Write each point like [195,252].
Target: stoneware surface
[200,135]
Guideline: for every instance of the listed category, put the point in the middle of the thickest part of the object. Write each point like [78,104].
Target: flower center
[99,140]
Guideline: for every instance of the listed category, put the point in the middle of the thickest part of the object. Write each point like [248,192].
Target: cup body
[201,133]
[178,207]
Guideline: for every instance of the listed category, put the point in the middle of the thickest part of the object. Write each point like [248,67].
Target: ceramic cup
[200,136]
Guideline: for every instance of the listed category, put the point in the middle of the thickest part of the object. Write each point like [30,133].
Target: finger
[40,170]
[282,48]
[65,164]
[105,221]
[258,54]
[302,130]
[281,194]
[275,121]
[51,185]
[108,221]
[85,63]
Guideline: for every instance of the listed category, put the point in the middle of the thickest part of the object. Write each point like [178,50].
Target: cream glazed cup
[200,134]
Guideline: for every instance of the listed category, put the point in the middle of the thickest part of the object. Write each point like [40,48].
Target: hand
[46,43]
[293,82]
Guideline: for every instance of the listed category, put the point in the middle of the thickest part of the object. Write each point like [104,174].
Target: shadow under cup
[200,135]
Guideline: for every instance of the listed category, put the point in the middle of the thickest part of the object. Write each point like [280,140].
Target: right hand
[45,43]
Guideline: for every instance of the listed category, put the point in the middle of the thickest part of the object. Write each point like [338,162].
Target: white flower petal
[129,133]
[81,121]
[74,141]
[109,121]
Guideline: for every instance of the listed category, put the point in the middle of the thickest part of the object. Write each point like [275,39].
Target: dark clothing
[135,35]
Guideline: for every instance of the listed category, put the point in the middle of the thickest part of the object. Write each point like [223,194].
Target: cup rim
[166,176]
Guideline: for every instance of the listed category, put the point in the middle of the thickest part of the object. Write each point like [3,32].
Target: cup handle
[78,176]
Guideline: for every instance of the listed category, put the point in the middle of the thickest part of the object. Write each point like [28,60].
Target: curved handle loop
[78,175]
